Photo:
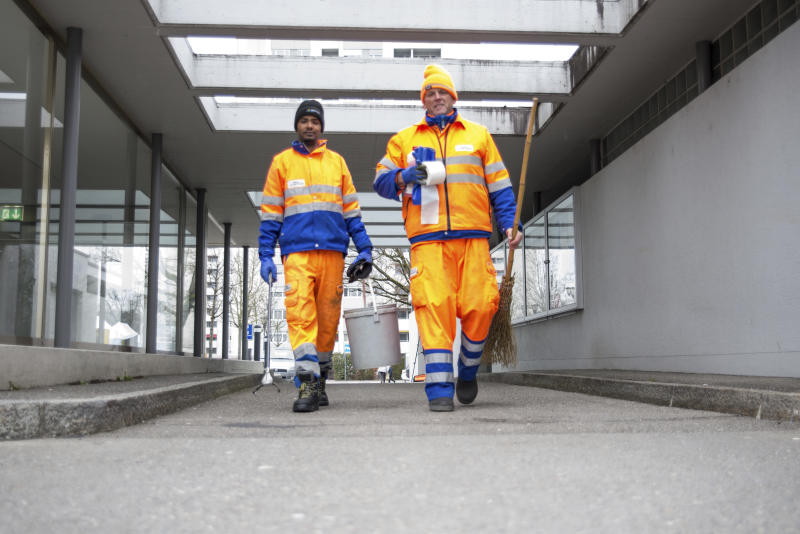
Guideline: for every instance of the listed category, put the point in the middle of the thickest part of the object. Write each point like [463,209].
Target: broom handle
[521,192]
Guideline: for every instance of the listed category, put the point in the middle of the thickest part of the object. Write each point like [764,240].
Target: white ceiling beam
[415,20]
[367,77]
[361,118]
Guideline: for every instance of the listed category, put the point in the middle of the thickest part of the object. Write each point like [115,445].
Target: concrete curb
[31,367]
[79,417]
[761,404]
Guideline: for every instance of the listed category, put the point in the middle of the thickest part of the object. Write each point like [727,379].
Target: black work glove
[360,268]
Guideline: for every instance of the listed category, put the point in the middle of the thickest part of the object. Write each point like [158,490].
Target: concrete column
[200,276]
[703,62]
[537,202]
[129,210]
[154,244]
[69,185]
[595,156]
[244,321]
[226,290]
[181,271]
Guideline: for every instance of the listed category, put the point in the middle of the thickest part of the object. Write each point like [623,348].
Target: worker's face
[309,129]
[438,102]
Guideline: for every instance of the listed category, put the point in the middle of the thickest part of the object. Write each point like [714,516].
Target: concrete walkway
[85,408]
[521,459]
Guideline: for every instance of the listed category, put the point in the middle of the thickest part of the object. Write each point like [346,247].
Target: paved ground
[377,460]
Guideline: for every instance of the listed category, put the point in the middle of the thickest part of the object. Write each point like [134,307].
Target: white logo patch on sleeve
[296,183]
[465,148]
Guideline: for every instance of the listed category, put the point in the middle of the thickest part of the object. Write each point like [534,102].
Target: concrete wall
[26,367]
[691,239]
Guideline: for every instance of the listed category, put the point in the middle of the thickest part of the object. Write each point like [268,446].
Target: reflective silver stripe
[470,346]
[389,164]
[296,192]
[349,198]
[498,185]
[305,365]
[439,357]
[325,366]
[266,216]
[438,377]
[272,201]
[324,357]
[352,213]
[305,348]
[494,167]
[465,160]
[328,206]
[313,206]
[469,362]
[331,189]
[464,178]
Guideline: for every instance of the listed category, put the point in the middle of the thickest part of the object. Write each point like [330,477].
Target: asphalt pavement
[376,460]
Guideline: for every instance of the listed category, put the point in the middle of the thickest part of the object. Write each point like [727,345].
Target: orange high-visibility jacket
[477,180]
[309,201]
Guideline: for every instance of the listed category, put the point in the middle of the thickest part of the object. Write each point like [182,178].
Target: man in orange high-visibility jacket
[310,207]
[448,225]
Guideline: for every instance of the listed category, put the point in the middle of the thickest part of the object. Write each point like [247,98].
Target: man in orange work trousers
[449,176]
[310,207]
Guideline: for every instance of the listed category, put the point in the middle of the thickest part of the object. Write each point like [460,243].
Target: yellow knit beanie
[437,77]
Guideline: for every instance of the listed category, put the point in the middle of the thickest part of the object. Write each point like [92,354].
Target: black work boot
[466,390]
[308,395]
[323,397]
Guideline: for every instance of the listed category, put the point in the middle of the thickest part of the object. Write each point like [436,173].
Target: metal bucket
[374,336]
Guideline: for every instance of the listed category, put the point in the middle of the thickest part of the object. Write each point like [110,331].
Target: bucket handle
[376,318]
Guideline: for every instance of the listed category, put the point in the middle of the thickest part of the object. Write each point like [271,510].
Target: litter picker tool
[500,346]
[268,378]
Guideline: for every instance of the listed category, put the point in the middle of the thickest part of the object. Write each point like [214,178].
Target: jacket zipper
[444,162]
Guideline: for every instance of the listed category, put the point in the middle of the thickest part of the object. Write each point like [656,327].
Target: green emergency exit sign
[10,213]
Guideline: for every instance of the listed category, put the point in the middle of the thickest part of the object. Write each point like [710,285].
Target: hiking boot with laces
[323,397]
[308,395]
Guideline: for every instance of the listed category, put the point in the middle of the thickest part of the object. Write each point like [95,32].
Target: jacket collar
[431,122]
[299,147]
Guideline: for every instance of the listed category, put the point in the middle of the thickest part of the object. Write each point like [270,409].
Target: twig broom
[500,347]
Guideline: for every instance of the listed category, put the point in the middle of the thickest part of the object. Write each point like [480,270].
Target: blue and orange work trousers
[313,304]
[449,280]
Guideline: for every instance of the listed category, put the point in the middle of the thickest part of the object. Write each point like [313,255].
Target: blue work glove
[360,268]
[268,270]
[412,175]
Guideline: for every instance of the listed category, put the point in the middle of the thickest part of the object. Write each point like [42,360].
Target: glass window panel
[499,261]
[535,268]
[23,118]
[111,232]
[561,248]
[518,289]
[166,335]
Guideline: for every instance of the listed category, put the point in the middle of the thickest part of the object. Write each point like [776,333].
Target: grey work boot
[308,395]
[441,404]
[323,397]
